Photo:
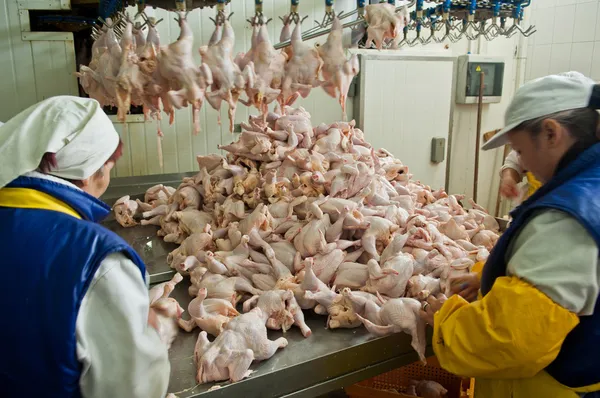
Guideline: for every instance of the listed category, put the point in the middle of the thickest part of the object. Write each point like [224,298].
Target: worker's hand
[466,286]
[152,319]
[508,187]
[431,306]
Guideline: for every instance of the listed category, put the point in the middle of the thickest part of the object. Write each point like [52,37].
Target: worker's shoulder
[118,266]
[557,255]
[543,219]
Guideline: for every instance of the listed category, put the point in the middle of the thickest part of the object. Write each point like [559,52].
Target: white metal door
[405,102]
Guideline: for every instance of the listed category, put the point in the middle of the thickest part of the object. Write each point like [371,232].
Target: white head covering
[76,129]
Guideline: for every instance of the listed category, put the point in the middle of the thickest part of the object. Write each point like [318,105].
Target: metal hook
[139,26]
[530,31]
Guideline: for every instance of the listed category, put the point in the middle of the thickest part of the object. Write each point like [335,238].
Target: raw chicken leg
[167,309]
[208,314]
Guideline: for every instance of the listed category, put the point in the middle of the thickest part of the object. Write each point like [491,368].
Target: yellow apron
[532,184]
[540,385]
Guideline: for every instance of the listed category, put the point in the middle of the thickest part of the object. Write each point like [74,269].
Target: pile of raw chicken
[300,218]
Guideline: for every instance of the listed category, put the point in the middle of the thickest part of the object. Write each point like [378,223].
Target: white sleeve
[121,355]
[558,256]
[512,162]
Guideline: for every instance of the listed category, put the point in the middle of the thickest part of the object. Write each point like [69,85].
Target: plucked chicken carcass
[228,80]
[399,315]
[99,78]
[228,357]
[337,71]
[269,66]
[384,24]
[130,81]
[156,89]
[89,76]
[299,218]
[282,310]
[188,81]
[301,71]
[125,210]
[155,196]
[167,309]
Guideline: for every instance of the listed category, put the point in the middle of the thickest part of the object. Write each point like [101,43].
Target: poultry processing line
[299,218]
[129,67]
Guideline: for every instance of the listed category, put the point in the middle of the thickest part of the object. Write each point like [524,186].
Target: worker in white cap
[75,294]
[535,331]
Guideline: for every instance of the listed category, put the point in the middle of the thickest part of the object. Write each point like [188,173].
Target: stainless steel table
[151,248]
[307,367]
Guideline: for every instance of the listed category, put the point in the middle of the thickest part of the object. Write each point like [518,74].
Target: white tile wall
[567,38]
[595,62]
[544,21]
[586,23]
[581,57]
[564,24]
[540,64]
[560,58]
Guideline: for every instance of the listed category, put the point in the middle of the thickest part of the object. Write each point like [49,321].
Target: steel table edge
[357,376]
[287,382]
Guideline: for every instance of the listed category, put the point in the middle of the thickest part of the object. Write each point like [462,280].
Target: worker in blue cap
[535,330]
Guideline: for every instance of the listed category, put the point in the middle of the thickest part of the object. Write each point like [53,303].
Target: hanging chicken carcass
[269,66]
[384,25]
[188,82]
[228,79]
[156,87]
[98,79]
[337,71]
[130,81]
[301,71]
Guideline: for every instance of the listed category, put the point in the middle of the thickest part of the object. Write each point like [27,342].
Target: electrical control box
[438,150]
[469,71]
